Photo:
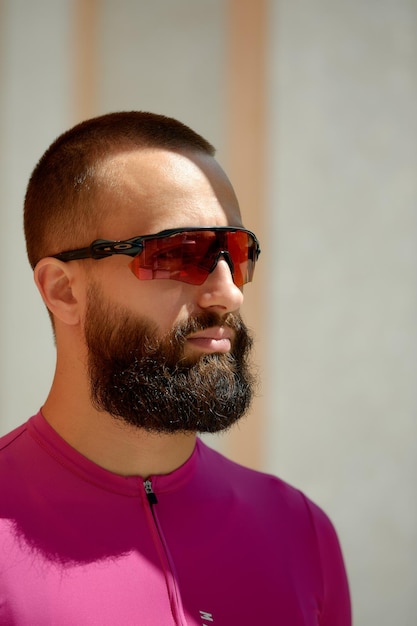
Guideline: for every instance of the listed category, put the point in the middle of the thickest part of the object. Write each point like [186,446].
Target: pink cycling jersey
[212,543]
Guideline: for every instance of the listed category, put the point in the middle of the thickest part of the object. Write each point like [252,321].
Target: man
[112,511]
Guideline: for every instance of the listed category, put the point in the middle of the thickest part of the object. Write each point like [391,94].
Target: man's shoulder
[232,467]
[6,441]
[270,496]
[259,484]
[17,452]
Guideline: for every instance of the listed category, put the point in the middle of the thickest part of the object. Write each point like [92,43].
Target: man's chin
[193,356]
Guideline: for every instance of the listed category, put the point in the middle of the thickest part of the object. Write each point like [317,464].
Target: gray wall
[343,305]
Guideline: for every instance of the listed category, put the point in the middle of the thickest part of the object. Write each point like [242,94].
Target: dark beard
[145,380]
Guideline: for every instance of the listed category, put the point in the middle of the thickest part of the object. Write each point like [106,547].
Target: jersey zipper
[164,555]
[150,494]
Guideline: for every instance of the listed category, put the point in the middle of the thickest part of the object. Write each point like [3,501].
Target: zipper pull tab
[152,499]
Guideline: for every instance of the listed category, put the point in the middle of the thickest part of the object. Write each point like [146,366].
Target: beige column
[246,156]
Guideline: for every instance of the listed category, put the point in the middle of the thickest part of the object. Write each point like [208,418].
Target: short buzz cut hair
[59,209]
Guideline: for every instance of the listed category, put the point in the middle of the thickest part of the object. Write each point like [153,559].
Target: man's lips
[215,339]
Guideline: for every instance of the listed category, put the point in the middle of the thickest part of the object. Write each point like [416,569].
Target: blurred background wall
[312,106]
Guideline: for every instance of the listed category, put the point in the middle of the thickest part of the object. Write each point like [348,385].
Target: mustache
[205,320]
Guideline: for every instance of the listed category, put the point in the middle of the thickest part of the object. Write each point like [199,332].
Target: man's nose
[218,290]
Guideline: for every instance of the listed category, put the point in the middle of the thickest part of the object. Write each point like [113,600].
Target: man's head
[64,195]
[156,327]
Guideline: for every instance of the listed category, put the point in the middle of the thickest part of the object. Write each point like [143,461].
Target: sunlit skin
[142,192]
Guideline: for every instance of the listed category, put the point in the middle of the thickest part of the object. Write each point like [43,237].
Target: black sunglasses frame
[102,248]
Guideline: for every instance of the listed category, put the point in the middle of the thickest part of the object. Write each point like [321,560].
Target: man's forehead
[159,163]
[155,188]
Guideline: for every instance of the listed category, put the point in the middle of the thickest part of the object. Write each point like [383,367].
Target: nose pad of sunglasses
[225,254]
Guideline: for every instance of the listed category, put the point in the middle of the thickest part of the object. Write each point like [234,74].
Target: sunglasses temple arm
[74,255]
[101,249]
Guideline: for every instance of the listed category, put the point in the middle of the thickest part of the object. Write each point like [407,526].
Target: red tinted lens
[190,256]
[242,249]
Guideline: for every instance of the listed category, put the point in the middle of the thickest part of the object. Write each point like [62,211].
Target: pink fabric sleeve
[336,609]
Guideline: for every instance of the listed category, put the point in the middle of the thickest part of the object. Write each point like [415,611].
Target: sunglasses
[185,254]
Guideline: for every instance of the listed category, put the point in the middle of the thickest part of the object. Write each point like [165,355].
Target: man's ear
[55,281]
